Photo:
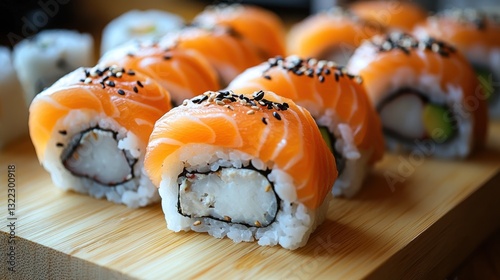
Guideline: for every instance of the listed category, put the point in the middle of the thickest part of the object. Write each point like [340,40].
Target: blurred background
[23,18]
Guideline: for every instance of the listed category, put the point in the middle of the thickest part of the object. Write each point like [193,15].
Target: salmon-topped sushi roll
[245,166]
[477,35]
[264,28]
[428,97]
[226,50]
[339,104]
[184,72]
[90,131]
[329,35]
[400,15]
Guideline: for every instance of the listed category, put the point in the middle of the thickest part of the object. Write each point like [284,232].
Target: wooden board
[423,226]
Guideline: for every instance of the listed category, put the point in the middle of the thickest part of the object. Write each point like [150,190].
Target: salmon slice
[262,27]
[390,14]
[227,51]
[185,73]
[331,35]
[264,125]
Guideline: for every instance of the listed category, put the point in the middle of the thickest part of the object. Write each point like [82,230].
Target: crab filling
[330,143]
[409,116]
[94,154]
[236,195]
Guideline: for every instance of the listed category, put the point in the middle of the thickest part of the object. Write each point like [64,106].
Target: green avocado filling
[485,78]
[327,136]
[330,142]
[437,123]
[143,29]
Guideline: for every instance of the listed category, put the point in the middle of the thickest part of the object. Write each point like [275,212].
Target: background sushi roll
[339,104]
[185,73]
[476,35]
[90,131]
[44,58]
[331,35]
[264,28]
[426,93]
[13,111]
[227,51]
[395,15]
[243,166]
[137,24]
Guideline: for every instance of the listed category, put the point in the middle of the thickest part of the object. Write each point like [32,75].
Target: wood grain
[422,227]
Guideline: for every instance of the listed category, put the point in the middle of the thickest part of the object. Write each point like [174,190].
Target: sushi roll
[227,51]
[476,35]
[185,73]
[13,110]
[249,167]
[90,131]
[44,58]
[396,15]
[428,97]
[339,104]
[137,24]
[264,28]
[329,35]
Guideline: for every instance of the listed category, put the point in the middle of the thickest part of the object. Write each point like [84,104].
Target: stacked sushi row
[244,138]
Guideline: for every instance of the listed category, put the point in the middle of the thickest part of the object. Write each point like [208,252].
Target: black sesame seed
[277,116]
[87,73]
[337,77]
[286,105]
[140,84]
[267,77]
[321,79]
[59,144]
[121,92]
[105,78]
[111,83]
[82,80]
[167,57]
[131,73]
[258,95]
[327,71]
[264,121]
[63,132]
[136,90]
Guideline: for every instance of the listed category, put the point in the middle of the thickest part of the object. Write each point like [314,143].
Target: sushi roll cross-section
[475,33]
[90,131]
[245,166]
[425,92]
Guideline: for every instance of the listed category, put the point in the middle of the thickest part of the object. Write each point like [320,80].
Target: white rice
[136,24]
[43,59]
[351,178]
[13,109]
[294,222]
[137,192]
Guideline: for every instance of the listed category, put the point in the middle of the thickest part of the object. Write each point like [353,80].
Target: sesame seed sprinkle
[197,223]
[140,84]
[136,90]
[121,92]
[59,144]
[277,116]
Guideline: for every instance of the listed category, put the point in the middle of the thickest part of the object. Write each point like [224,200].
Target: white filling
[98,157]
[403,115]
[234,195]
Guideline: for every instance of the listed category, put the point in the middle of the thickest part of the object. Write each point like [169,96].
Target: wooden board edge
[35,261]
[459,231]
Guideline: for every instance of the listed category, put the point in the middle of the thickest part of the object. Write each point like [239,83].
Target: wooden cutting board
[422,226]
